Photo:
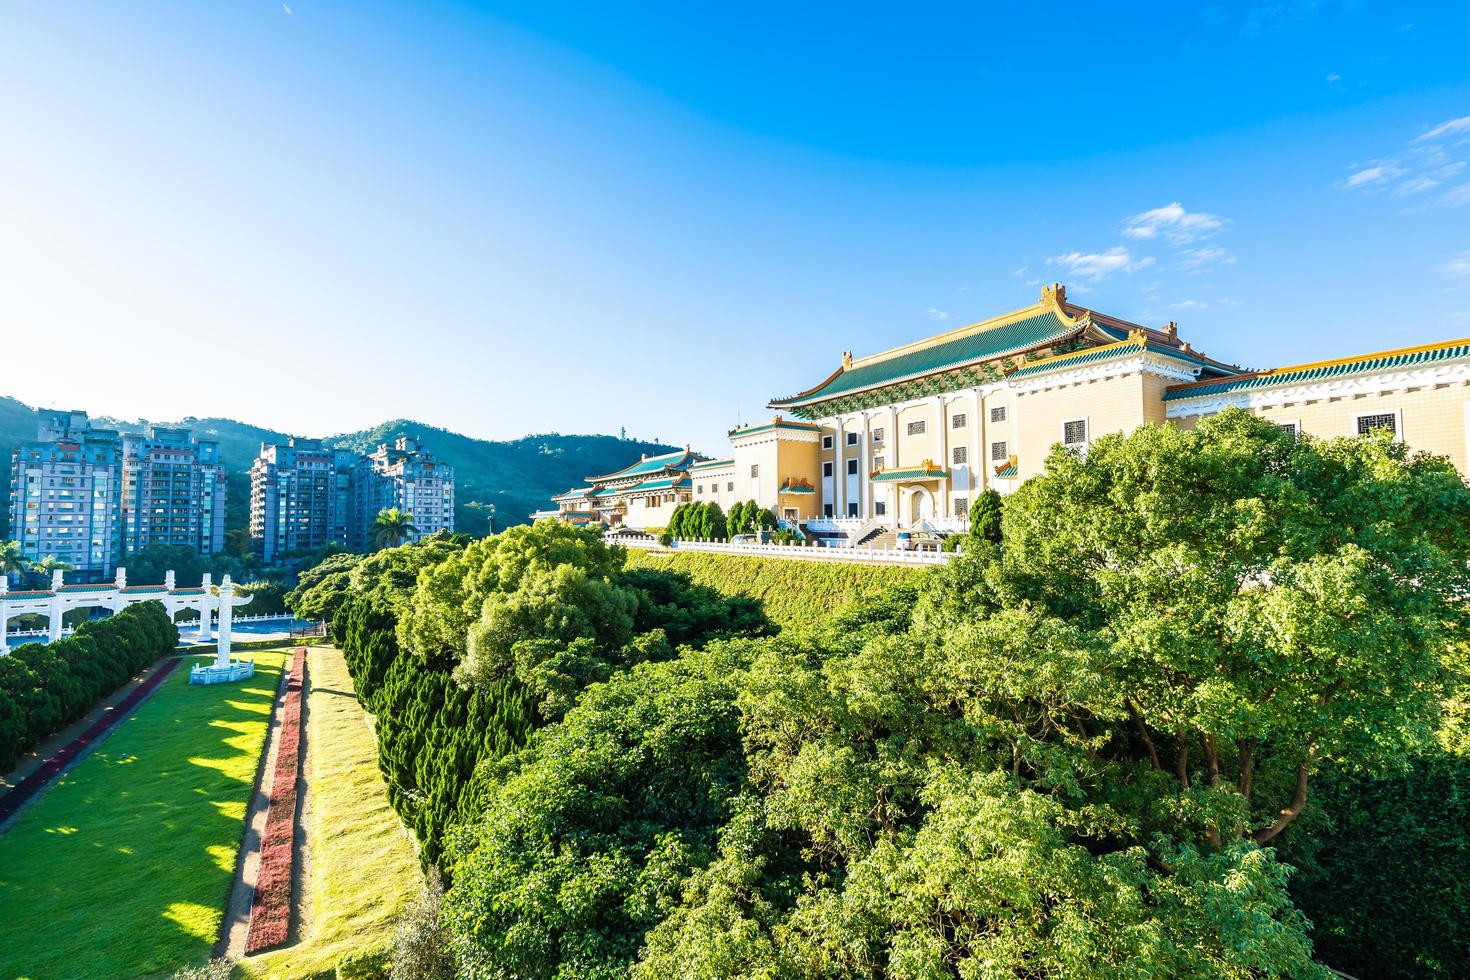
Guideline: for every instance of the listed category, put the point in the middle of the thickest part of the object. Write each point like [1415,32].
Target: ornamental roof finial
[1171,330]
[1054,293]
[846,359]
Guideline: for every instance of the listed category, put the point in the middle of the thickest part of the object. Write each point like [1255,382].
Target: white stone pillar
[4,588]
[121,582]
[942,506]
[168,579]
[979,456]
[226,610]
[865,486]
[204,604]
[839,472]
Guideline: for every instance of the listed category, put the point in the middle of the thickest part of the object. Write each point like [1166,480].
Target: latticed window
[961,455]
[1385,420]
[998,414]
[1074,433]
[877,462]
[730,486]
[962,505]
[1290,427]
[916,428]
[998,451]
[958,421]
[877,435]
[755,470]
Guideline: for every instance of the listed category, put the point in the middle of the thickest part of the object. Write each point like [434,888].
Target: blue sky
[505,218]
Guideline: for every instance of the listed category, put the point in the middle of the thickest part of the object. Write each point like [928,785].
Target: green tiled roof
[605,492]
[1006,472]
[1367,364]
[788,488]
[581,492]
[680,459]
[751,430]
[1124,349]
[667,483]
[710,464]
[912,473]
[1018,335]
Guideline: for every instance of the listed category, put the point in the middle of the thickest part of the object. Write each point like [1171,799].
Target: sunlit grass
[363,868]
[123,868]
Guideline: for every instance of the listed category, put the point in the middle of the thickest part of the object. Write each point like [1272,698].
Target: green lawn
[363,867]
[123,869]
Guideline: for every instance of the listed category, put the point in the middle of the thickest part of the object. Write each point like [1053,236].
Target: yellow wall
[1118,404]
[1432,418]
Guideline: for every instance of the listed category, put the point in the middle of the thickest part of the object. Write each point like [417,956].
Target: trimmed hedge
[46,686]
[795,593]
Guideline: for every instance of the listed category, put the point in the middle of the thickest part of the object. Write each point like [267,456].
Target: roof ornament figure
[1054,293]
[846,359]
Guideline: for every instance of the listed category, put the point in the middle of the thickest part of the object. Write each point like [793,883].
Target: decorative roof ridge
[1318,365]
[678,454]
[1046,362]
[1053,300]
[708,464]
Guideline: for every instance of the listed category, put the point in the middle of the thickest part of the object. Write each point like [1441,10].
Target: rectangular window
[998,414]
[826,442]
[880,508]
[730,486]
[852,510]
[961,505]
[877,462]
[916,428]
[958,421]
[1074,433]
[877,435]
[826,510]
[699,490]
[998,452]
[827,468]
[1381,420]
[1291,427]
[755,470]
[961,455]
[852,467]
[852,438]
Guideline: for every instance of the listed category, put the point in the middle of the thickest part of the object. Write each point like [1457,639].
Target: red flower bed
[36,781]
[270,912]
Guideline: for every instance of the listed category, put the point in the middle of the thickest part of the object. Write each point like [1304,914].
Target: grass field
[123,868]
[363,867]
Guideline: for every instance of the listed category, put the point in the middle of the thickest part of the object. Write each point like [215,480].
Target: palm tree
[12,562]
[43,569]
[393,527]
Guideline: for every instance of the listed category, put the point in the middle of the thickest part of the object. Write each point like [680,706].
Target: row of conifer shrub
[793,593]
[46,686]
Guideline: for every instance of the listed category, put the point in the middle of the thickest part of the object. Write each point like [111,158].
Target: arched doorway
[919,507]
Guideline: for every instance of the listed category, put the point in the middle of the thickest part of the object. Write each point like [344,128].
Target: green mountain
[504,480]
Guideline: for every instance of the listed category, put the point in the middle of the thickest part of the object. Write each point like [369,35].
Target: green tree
[985,516]
[12,560]
[392,527]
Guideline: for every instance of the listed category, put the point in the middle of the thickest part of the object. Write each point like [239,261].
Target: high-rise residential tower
[65,493]
[301,498]
[173,491]
[407,477]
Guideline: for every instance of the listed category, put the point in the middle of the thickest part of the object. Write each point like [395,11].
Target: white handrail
[800,551]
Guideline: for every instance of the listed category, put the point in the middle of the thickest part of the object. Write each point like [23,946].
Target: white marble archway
[55,602]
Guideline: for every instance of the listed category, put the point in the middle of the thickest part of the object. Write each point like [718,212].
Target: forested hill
[514,477]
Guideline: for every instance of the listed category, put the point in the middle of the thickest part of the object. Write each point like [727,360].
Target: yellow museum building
[905,439]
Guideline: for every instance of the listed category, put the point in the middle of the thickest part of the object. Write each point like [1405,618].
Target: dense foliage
[792,593]
[1072,755]
[462,648]
[46,686]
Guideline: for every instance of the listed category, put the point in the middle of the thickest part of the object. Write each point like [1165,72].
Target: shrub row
[270,912]
[793,593]
[46,686]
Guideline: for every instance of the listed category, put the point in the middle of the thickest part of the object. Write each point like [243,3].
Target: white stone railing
[803,552]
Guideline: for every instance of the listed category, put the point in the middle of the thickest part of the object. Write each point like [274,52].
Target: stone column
[204,630]
[226,611]
[53,625]
[941,440]
[865,468]
[839,472]
[4,588]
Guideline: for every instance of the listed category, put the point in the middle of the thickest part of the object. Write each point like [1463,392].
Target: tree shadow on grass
[124,868]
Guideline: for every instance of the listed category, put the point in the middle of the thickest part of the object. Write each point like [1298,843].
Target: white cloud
[1373,175]
[1097,266]
[938,314]
[1020,272]
[1457,196]
[1457,267]
[1452,127]
[1333,77]
[1173,223]
[1198,258]
[1189,304]
[1415,185]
